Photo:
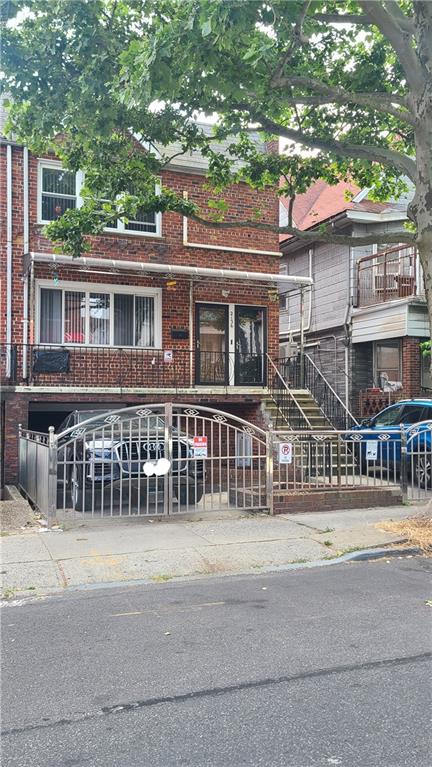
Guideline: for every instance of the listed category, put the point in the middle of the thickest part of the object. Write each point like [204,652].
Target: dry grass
[417,530]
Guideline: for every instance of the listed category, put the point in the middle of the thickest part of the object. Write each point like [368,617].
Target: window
[99,316]
[58,190]
[392,416]
[387,361]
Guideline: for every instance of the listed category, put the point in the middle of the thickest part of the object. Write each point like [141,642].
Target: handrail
[288,390]
[384,253]
[335,394]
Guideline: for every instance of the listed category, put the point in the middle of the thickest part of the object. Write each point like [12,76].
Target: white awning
[282,281]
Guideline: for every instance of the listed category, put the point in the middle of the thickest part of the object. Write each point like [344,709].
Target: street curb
[353,556]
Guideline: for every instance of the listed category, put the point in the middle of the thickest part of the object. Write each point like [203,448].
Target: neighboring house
[161,308]
[365,315]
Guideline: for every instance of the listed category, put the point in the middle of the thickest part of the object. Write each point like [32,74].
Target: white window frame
[55,165]
[121,226]
[396,342]
[96,287]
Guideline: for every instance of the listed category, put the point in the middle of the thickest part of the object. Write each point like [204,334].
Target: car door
[385,449]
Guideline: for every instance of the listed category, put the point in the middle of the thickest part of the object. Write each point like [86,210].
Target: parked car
[113,455]
[404,413]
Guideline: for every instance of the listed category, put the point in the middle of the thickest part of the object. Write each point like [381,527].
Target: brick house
[161,309]
[365,314]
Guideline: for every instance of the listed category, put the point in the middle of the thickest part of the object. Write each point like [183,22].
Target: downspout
[8,260]
[191,346]
[347,324]
[26,264]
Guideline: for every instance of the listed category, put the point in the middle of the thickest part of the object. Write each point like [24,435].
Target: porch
[46,366]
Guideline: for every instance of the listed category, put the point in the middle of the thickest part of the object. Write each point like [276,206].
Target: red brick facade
[121,369]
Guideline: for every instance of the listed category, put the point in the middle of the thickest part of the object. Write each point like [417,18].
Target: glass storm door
[212,344]
[249,345]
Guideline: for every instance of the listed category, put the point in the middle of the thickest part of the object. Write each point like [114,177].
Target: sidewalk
[37,562]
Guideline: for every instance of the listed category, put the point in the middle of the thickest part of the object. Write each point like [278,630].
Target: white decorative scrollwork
[356,437]
[78,432]
[220,418]
[384,437]
[143,412]
[191,411]
[248,429]
[112,419]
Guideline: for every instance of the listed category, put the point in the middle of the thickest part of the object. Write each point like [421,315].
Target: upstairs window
[58,191]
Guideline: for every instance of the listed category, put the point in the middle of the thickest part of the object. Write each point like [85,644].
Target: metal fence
[36,468]
[149,460]
[397,459]
[172,459]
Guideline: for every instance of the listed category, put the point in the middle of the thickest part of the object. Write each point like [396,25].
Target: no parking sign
[285,452]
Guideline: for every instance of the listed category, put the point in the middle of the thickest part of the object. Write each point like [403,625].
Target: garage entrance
[145,461]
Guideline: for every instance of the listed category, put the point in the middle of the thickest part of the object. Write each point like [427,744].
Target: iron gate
[157,460]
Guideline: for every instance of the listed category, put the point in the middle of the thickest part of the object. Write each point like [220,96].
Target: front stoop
[295,502]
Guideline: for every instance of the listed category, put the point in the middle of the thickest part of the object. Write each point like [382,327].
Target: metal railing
[333,408]
[398,460]
[302,373]
[37,474]
[392,274]
[127,367]
[289,409]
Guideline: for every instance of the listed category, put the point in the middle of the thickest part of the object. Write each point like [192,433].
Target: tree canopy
[347,84]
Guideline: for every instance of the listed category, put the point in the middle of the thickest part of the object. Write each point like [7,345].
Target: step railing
[332,407]
[290,412]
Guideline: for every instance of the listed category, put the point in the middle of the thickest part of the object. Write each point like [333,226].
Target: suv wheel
[423,471]
[190,494]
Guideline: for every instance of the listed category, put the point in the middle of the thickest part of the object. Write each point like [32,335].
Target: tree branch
[405,24]
[321,235]
[401,42]
[367,152]
[381,102]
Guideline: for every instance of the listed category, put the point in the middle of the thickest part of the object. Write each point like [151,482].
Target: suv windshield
[151,424]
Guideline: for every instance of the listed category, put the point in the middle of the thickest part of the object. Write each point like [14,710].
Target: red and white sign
[200,447]
[285,452]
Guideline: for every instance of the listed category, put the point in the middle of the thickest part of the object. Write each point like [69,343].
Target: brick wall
[137,370]
[411,370]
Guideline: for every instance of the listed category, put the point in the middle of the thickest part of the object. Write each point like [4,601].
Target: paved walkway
[38,561]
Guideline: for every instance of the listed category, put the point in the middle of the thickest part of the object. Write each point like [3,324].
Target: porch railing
[127,367]
[289,409]
[298,373]
[327,398]
[386,276]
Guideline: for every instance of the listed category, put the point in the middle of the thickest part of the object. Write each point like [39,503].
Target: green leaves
[101,81]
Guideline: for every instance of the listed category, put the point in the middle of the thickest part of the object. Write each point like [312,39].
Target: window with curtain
[58,192]
[97,318]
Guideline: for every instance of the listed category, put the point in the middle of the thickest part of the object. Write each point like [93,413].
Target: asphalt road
[329,666]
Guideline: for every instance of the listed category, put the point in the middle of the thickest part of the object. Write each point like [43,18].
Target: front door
[212,344]
[249,345]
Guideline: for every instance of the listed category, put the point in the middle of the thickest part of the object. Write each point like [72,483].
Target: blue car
[387,450]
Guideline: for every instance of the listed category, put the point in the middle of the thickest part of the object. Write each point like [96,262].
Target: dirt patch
[417,530]
[15,512]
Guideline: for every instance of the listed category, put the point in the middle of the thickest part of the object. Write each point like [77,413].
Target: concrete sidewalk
[37,561]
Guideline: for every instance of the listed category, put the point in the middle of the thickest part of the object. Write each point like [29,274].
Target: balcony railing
[389,275]
[129,368]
